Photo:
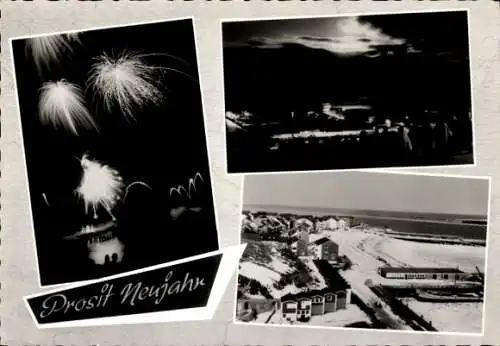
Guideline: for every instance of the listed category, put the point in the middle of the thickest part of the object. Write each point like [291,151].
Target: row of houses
[297,307]
[302,306]
[269,223]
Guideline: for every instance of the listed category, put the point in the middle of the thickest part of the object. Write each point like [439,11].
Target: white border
[203,108]
[438,333]
[230,259]
[350,14]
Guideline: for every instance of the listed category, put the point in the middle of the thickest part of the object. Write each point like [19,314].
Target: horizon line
[310,208]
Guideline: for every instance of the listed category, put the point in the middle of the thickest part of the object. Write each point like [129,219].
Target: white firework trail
[73,37]
[180,190]
[62,104]
[44,195]
[176,212]
[100,186]
[192,184]
[140,183]
[128,81]
[48,50]
[191,187]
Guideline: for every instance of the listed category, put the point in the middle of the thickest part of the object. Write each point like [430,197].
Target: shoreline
[409,235]
[461,219]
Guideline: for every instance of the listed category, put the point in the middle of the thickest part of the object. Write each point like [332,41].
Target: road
[382,311]
[364,268]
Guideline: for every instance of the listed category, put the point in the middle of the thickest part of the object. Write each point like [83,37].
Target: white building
[327,225]
[414,273]
[345,223]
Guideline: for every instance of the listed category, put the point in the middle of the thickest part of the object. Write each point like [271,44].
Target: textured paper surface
[18,269]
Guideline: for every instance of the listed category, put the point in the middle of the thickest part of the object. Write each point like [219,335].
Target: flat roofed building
[422,273]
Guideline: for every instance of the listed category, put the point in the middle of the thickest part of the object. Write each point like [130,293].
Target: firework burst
[100,186]
[128,82]
[62,105]
[49,50]
[125,81]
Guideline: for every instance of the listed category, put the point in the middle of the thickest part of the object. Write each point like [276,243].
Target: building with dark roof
[422,273]
[320,241]
[325,249]
[320,249]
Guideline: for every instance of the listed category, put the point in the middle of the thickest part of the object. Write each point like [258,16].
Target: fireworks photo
[115,147]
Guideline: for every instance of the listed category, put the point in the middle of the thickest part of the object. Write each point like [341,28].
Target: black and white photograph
[383,251]
[116,151]
[348,92]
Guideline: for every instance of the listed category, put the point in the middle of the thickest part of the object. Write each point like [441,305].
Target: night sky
[404,61]
[445,31]
[163,147]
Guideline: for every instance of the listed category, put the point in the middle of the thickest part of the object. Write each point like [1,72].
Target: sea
[435,224]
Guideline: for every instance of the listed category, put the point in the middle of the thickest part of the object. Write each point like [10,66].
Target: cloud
[353,28]
[350,36]
[260,42]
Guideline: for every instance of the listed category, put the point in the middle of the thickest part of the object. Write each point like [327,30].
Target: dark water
[405,222]
[428,227]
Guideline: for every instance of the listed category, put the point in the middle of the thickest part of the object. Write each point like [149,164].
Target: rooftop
[321,241]
[308,294]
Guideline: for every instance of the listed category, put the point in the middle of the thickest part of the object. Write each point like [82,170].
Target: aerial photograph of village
[364,250]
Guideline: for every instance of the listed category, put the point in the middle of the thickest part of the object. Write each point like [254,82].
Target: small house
[302,306]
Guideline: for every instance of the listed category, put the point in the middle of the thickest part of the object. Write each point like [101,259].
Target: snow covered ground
[374,250]
[315,274]
[267,277]
[383,312]
[264,263]
[340,318]
[432,255]
[450,317]
[262,317]
[352,314]
[368,251]
[267,254]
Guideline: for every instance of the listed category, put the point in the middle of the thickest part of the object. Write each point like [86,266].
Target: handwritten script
[129,294]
